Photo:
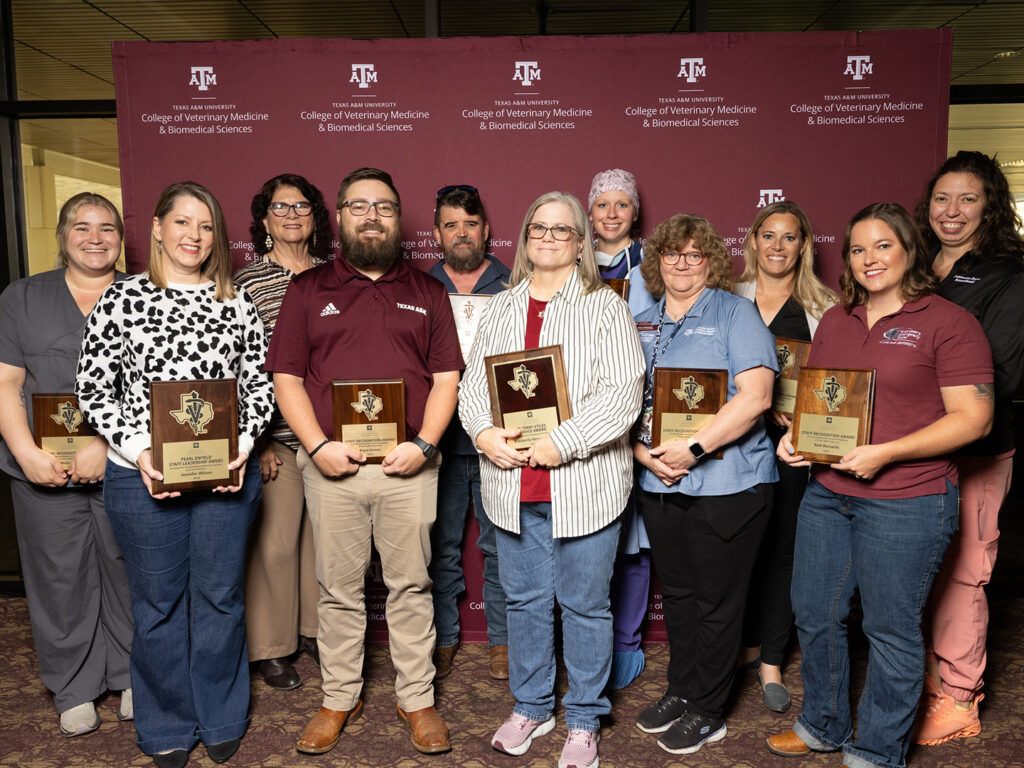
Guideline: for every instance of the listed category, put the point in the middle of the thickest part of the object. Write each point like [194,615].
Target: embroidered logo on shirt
[832,392]
[195,413]
[690,391]
[68,416]
[908,337]
[700,331]
[411,307]
[330,309]
[524,381]
[965,279]
[368,404]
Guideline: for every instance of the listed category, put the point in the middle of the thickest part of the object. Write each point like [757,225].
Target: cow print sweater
[138,333]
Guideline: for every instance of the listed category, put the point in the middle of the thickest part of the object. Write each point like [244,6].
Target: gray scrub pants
[77,591]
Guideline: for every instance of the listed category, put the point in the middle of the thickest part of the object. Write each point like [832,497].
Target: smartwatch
[696,449]
[428,449]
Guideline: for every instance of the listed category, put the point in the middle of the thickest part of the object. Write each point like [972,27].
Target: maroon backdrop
[716,124]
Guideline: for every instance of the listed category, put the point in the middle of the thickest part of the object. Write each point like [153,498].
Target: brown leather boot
[787,744]
[498,664]
[323,731]
[429,733]
[443,658]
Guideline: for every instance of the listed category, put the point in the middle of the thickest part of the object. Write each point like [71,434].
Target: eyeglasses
[384,208]
[281,209]
[558,231]
[693,258]
[457,187]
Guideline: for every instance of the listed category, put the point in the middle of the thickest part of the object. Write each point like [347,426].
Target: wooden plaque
[833,412]
[528,391]
[369,414]
[620,285]
[467,309]
[59,427]
[792,355]
[685,399]
[193,429]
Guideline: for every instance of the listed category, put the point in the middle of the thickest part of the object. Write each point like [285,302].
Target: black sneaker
[691,732]
[660,715]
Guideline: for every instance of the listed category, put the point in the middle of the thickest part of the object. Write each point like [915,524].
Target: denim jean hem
[588,727]
[803,730]
[223,732]
[186,741]
[854,758]
[447,643]
[535,715]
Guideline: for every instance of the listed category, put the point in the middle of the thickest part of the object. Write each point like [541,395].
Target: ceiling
[62,47]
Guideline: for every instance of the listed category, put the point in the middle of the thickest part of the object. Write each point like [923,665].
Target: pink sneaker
[518,732]
[943,721]
[580,750]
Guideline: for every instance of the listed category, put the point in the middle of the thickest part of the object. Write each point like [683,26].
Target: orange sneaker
[943,721]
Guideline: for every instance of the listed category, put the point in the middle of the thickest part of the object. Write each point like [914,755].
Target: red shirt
[534,483]
[336,323]
[927,344]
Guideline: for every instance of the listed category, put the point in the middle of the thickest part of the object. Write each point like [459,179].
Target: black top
[790,322]
[993,291]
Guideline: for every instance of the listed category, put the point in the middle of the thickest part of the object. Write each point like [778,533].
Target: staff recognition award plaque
[833,412]
[467,309]
[528,391]
[369,414]
[620,285]
[194,432]
[59,427]
[685,399]
[792,355]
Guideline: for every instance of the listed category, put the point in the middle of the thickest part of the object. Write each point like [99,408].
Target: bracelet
[313,452]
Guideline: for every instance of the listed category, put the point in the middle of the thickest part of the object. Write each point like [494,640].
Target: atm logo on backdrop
[691,69]
[203,78]
[769,196]
[527,72]
[363,74]
[858,66]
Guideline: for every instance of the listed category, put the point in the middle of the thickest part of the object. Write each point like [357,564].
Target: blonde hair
[811,294]
[217,266]
[590,276]
[66,219]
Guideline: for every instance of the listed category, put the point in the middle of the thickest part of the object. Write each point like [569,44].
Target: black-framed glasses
[693,258]
[558,231]
[281,209]
[384,208]
[457,187]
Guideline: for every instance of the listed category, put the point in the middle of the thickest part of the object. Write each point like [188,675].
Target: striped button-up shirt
[604,368]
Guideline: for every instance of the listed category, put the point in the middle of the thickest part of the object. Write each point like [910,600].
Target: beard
[374,254]
[464,261]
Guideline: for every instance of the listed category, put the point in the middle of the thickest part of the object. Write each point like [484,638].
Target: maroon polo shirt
[336,323]
[927,344]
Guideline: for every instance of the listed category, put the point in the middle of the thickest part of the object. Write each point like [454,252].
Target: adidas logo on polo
[330,309]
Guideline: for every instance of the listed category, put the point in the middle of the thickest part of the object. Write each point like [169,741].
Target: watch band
[428,449]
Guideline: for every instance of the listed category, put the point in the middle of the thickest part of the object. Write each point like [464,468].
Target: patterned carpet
[474,705]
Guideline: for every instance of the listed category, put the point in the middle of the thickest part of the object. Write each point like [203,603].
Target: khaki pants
[281,591]
[396,513]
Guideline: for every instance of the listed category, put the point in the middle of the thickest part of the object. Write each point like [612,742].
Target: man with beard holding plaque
[471,277]
[367,315]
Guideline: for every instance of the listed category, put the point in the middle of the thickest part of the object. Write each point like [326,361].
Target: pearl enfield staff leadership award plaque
[59,427]
[529,392]
[620,285]
[685,399]
[792,355]
[833,412]
[369,415]
[193,427]
[467,308]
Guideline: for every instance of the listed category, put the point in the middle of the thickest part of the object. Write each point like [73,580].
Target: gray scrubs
[74,573]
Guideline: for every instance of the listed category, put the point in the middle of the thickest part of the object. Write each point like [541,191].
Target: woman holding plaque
[557,504]
[74,574]
[291,233]
[183,320]
[705,499]
[972,232]
[879,520]
[779,278]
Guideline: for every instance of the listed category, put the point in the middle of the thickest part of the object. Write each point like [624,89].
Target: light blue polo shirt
[726,332]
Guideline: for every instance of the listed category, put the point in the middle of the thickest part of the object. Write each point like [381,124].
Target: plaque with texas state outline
[59,427]
[685,399]
[193,428]
[369,414]
[833,413]
[792,354]
[529,392]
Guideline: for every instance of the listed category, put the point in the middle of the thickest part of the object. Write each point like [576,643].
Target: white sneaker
[79,720]
[127,709]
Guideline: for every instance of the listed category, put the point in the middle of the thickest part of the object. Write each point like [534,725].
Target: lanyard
[659,351]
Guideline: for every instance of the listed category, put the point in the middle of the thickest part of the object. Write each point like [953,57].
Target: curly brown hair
[675,233]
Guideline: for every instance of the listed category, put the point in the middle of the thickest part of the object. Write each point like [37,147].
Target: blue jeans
[537,570]
[457,481]
[185,559]
[889,550]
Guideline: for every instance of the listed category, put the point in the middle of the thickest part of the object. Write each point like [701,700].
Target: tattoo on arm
[21,399]
[985,392]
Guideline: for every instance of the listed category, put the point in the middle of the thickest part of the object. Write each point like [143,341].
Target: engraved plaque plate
[685,399]
[369,414]
[528,391]
[59,427]
[194,433]
[833,412]
[792,355]
[467,309]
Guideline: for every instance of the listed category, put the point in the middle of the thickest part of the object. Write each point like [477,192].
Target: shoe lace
[580,738]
